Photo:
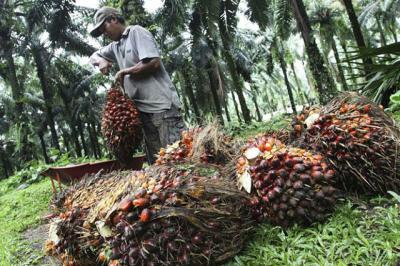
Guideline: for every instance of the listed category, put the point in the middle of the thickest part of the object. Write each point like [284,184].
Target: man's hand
[104,66]
[139,71]
[119,77]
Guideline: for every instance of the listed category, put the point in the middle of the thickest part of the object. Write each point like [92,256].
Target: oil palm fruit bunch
[121,125]
[303,120]
[178,151]
[361,141]
[69,248]
[180,219]
[199,145]
[290,185]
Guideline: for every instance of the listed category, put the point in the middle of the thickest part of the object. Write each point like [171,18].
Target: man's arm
[103,64]
[140,70]
[103,58]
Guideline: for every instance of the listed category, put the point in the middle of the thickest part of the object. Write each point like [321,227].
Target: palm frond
[195,24]
[258,12]
[73,43]
[172,16]
[384,77]
[33,100]
[282,18]
[368,12]
[228,13]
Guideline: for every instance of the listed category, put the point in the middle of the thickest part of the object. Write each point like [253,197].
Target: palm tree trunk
[92,139]
[7,52]
[7,170]
[16,90]
[324,81]
[72,125]
[43,146]
[225,37]
[310,81]
[65,138]
[355,26]
[254,98]
[82,135]
[339,65]
[350,67]
[190,94]
[237,86]
[214,82]
[282,98]
[222,83]
[288,87]
[41,70]
[95,137]
[236,107]
[228,117]
[186,109]
[303,96]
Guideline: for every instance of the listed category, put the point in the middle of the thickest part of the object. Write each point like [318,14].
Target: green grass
[20,210]
[244,131]
[354,235]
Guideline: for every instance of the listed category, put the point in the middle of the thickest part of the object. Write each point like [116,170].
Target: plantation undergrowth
[20,210]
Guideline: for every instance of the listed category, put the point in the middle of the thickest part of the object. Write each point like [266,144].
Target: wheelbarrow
[73,173]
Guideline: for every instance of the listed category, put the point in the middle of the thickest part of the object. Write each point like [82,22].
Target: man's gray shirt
[153,94]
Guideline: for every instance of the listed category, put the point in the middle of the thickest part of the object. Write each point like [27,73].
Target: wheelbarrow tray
[73,173]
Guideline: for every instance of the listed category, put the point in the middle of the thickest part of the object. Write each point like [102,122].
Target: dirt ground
[37,237]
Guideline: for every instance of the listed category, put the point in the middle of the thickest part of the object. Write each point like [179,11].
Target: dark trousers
[161,129]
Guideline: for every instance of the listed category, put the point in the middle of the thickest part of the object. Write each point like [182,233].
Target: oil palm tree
[355,26]
[325,16]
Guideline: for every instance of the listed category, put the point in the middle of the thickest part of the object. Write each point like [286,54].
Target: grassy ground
[359,233]
[20,210]
[366,234]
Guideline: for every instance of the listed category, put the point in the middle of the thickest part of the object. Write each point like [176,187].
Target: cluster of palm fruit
[360,141]
[184,220]
[292,185]
[121,125]
[179,150]
[69,248]
[300,121]
[202,145]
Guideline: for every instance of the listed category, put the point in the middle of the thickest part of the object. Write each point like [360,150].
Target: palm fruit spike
[199,145]
[303,120]
[180,219]
[361,141]
[291,185]
[179,150]
[121,125]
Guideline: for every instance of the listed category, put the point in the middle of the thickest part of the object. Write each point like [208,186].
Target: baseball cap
[101,15]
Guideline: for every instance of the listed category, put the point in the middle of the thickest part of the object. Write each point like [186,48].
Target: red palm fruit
[141,202]
[145,215]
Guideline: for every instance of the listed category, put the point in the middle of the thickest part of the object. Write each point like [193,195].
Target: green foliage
[384,77]
[282,18]
[20,210]
[258,12]
[395,196]
[357,234]
[244,131]
[395,102]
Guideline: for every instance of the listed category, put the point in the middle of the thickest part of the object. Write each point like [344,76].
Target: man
[142,75]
